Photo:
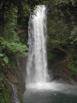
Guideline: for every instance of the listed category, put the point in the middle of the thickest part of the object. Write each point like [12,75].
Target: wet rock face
[11,77]
[20,73]
[61,65]
[16,76]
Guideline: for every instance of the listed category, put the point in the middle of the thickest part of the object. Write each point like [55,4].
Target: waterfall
[37,57]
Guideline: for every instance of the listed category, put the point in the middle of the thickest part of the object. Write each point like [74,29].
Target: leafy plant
[15,47]
[5,93]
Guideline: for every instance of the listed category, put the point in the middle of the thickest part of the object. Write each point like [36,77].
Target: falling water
[37,58]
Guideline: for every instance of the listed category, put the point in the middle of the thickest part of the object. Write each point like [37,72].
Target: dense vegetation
[61,38]
[12,42]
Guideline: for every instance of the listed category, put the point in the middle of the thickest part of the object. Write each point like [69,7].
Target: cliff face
[62,41]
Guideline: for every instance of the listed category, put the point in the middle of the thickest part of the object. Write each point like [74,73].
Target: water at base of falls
[37,58]
[50,93]
[49,97]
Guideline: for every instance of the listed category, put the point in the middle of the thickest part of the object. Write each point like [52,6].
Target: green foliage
[26,9]
[51,56]
[73,36]
[11,24]
[72,65]
[1,55]
[57,2]
[10,44]
[5,93]
[61,31]
[4,58]
[72,68]
[61,1]
[14,47]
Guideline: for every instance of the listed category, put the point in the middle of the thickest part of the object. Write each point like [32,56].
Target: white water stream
[37,58]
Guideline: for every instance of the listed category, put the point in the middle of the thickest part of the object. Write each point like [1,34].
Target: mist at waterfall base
[39,89]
